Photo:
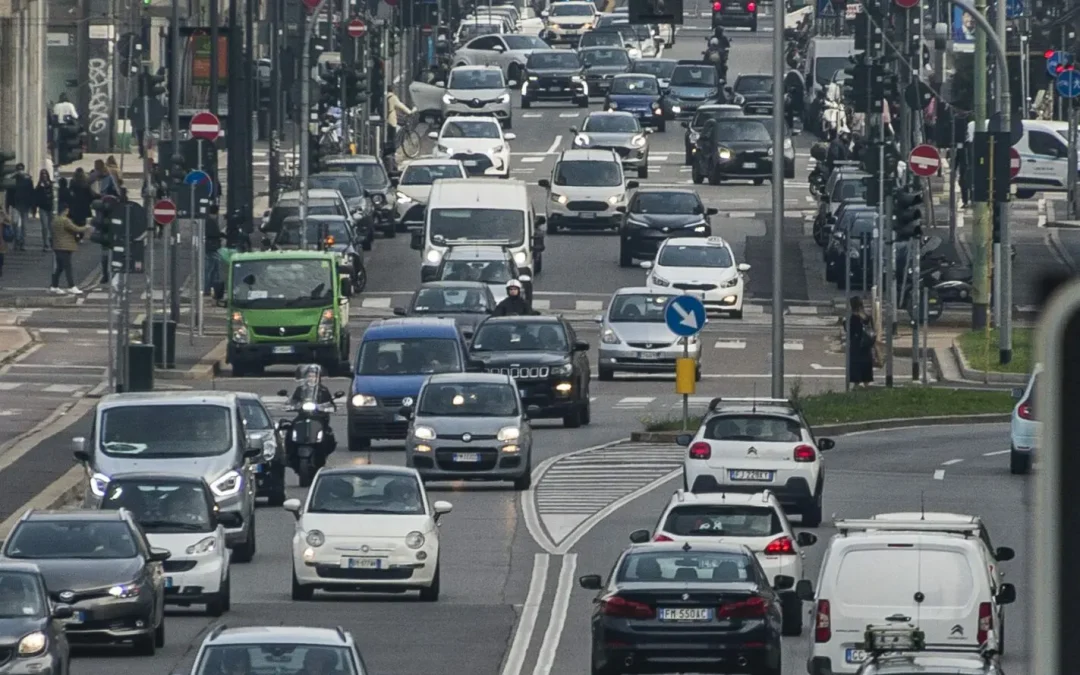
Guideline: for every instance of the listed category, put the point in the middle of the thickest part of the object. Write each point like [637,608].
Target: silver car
[469,426]
[634,337]
[620,132]
[414,187]
[478,90]
[585,191]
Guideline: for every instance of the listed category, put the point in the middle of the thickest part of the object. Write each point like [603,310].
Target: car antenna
[754,408]
[922,505]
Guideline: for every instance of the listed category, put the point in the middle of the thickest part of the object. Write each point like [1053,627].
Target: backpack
[9,232]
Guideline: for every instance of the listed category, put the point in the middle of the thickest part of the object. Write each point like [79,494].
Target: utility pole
[251,105]
[174,122]
[215,65]
[1004,98]
[981,233]
[311,20]
[276,9]
[779,135]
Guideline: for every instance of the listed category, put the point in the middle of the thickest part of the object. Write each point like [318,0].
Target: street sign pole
[685,317]
[310,22]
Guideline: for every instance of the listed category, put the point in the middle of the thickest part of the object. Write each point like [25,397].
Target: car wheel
[525,481]
[661,126]
[246,552]
[793,615]
[759,181]
[159,633]
[697,373]
[509,123]
[301,593]
[368,242]
[359,444]
[753,27]
[431,593]
[572,419]
[689,157]
[390,232]
[811,514]
[772,669]
[219,604]
[513,72]
[1019,463]
[830,274]
[606,374]
[695,175]
[626,258]
[538,263]
[146,645]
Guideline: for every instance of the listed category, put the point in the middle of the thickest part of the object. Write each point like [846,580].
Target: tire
[697,373]
[301,593]
[305,470]
[391,232]
[606,374]
[811,513]
[431,593]
[410,144]
[759,181]
[793,615]
[525,482]
[643,170]
[145,645]
[695,175]
[1019,463]
[626,259]
[714,178]
[525,103]
[220,602]
[766,669]
[367,243]
[538,263]
[245,553]
[662,126]
[753,27]
[830,274]
[159,633]
[509,124]
[513,72]
[689,157]
[358,444]
[360,281]
[572,419]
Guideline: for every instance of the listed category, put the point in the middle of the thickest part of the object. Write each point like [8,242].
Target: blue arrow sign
[685,315]
[197,177]
[1068,84]
[1014,8]
[1056,60]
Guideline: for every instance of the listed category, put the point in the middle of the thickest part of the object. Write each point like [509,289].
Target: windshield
[291,237]
[525,42]
[723,521]
[759,428]
[741,130]
[611,124]
[505,336]
[409,356]
[502,225]
[161,507]
[680,566]
[695,256]
[604,56]
[704,116]
[468,400]
[281,212]
[694,76]
[82,539]
[370,492]
[372,176]
[588,173]
[852,188]
[826,66]
[566,60]
[754,84]
[471,129]
[572,9]
[271,284]
[347,185]
[166,431]
[661,69]
[429,173]
[861,224]
[602,38]
[274,658]
[476,78]
[638,308]
[635,85]
[484,271]
[470,30]
[21,596]
[451,301]
[667,203]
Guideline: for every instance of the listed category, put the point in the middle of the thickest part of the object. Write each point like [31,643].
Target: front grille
[489,457]
[477,103]
[621,152]
[376,423]
[472,437]
[553,81]
[336,572]
[649,345]
[281,331]
[178,565]
[80,596]
[481,163]
[695,287]
[572,26]
[392,402]
[587,206]
[522,373]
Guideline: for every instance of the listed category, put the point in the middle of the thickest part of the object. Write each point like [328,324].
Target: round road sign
[1014,162]
[311,4]
[924,160]
[164,212]
[356,28]
[906,4]
[205,126]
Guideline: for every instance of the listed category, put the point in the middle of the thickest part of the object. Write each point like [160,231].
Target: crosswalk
[47,388]
[563,302]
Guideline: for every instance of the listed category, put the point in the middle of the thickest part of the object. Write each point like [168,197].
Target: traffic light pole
[275,10]
[779,135]
[311,21]
[890,283]
[174,122]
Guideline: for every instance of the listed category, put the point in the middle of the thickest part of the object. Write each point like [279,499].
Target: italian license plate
[470,162]
[362,563]
[648,356]
[855,656]
[555,89]
[749,165]
[744,474]
[283,349]
[588,216]
[471,457]
[685,614]
[168,582]
[76,618]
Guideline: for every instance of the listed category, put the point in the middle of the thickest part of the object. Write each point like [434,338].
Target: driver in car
[320,662]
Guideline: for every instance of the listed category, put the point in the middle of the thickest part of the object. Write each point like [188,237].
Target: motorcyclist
[716,54]
[722,41]
[838,149]
[310,389]
[514,304]
[794,92]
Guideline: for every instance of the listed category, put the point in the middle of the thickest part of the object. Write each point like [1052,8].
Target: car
[478,27]
[634,337]
[752,444]
[788,152]
[756,92]
[466,302]
[620,132]
[657,214]
[414,187]
[366,528]
[739,148]
[643,41]
[740,13]
[376,183]
[606,38]
[692,85]
[1025,428]
[901,650]
[712,111]
[101,566]
[492,266]
[478,142]
[478,91]
[564,22]
[302,648]
[325,233]
[715,598]
[178,514]
[639,95]
[470,426]
[847,186]
[320,203]
[33,626]
[555,75]
[661,68]
[363,210]
[509,53]
[700,265]
[504,23]
[585,188]
[601,65]
[857,224]
[270,470]
[829,219]
[545,358]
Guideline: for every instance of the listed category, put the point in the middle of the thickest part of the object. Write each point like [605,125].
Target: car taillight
[744,609]
[781,546]
[716,6]
[662,537]
[823,622]
[1026,411]
[804,453]
[700,451]
[751,7]
[986,621]
[627,609]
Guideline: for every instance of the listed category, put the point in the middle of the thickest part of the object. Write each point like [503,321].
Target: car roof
[677,546]
[19,566]
[636,76]
[352,159]
[410,327]
[599,47]
[644,290]
[957,664]
[588,155]
[468,378]
[242,635]
[99,515]
[608,113]
[331,174]
[477,253]
[478,285]
[750,409]
[657,60]
[470,118]
[159,477]
[719,106]
[313,193]
[167,397]
[542,318]
[929,516]
[473,67]
[431,161]
[666,190]
[696,241]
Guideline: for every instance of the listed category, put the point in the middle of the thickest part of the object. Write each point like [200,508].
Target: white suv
[1025,428]
[753,444]
[754,520]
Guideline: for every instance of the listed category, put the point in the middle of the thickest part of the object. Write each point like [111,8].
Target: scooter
[305,437]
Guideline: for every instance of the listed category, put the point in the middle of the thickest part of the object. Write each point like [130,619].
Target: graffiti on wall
[100,107]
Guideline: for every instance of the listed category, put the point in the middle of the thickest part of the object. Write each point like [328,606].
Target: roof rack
[903,640]
[781,402]
[870,525]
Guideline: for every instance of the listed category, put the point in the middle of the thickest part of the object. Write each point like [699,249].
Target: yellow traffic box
[686,376]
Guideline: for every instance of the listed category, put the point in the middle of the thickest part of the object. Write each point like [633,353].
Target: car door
[500,55]
[1048,161]
[481,51]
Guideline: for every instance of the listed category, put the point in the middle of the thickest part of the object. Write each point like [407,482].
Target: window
[635,85]
[255,416]
[21,596]
[611,124]
[470,30]
[944,577]
[678,203]
[588,173]
[276,658]
[464,225]
[638,308]
[723,521]
[409,356]
[161,507]
[506,336]
[476,78]
[270,283]
[754,84]
[521,42]
[759,428]
[601,39]
[604,56]
[369,492]
[704,116]
[426,174]
[484,271]
[682,566]
[1047,145]
[77,539]
[661,69]
[555,59]
[451,301]
[852,188]
[694,76]
[696,256]
[826,66]
[572,9]
[291,209]
[486,43]
[166,431]
[468,400]
[741,130]
[347,185]
[471,129]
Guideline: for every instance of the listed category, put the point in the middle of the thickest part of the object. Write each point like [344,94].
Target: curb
[67,491]
[969,373]
[207,368]
[28,342]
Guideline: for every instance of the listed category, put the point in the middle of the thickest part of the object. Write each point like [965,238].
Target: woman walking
[860,346]
[65,243]
[43,201]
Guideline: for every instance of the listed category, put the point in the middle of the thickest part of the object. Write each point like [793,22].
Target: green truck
[287,307]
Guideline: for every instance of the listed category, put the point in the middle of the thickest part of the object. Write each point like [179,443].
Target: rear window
[723,521]
[760,428]
[944,577]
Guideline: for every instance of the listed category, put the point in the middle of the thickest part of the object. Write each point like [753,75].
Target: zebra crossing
[47,388]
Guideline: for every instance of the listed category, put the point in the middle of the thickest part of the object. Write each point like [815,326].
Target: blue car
[638,94]
[395,357]
[692,86]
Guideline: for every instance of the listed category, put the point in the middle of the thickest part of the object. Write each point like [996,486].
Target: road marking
[996,453]
[554,146]
[658,158]
[742,214]
[793,345]
[730,344]
[589,305]
[373,303]
[532,160]
[569,115]
[53,330]
[939,474]
[557,623]
[519,648]
[802,309]
[818,366]
[633,402]
[62,388]
[8,386]
[539,304]
[951,462]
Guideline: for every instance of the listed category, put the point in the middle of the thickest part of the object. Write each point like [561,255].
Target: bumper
[682,108]
[646,117]
[584,220]
[792,491]
[555,91]
[111,621]
[377,422]
[599,86]
[565,37]
[489,462]
[400,569]
[49,663]
[193,580]
[621,358]
[661,651]
[500,111]
[384,215]
[723,299]
[545,395]
[281,352]
[758,108]
[747,169]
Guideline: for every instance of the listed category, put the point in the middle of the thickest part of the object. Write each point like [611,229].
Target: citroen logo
[67,596]
[752,451]
[365,548]
[281,330]
[685,596]
[957,630]
[465,438]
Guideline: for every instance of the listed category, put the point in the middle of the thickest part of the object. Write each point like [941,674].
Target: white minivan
[937,582]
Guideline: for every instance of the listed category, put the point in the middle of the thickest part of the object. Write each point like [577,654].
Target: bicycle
[408,138]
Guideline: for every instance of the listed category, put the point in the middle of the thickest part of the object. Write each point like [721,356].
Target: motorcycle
[833,117]
[719,59]
[308,438]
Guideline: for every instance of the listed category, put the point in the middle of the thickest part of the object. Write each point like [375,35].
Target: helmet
[513,283]
[713,42]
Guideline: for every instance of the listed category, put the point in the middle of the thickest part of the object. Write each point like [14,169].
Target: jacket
[393,105]
[513,306]
[22,195]
[43,196]
[64,231]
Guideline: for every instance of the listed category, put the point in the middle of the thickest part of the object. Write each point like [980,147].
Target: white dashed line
[555,145]
[531,116]
[996,453]
[939,474]
[951,462]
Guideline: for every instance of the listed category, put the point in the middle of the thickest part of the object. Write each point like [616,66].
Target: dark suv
[741,13]
[554,75]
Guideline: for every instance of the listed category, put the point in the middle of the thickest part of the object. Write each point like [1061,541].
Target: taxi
[705,266]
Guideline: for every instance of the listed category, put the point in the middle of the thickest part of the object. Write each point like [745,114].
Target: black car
[756,92]
[601,65]
[655,214]
[672,607]
[742,13]
[705,113]
[554,75]
[325,233]
[466,302]
[376,183]
[363,210]
[546,360]
[99,563]
[858,225]
[31,628]
[270,471]
[692,85]
[733,148]
[661,68]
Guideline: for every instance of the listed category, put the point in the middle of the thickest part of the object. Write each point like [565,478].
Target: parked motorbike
[309,440]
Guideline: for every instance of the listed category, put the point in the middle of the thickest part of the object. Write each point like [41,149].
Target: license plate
[556,89]
[77,617]
[466,457]
[362,563]
[648,356]
[470,162]
[855,656]
[749,165]
[685,614]
[743,474]
[284,349]
[587,216]
[168,582]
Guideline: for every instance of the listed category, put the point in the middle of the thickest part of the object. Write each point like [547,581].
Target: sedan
[554,76]
[656,214]
[661,68]
[756,92]
[509,52]
[704,114]
[325,233]
[638,95]
[692,86]
[741,149]
[601,65]
[634,337]
[363,210]
[466,302]
[620,132]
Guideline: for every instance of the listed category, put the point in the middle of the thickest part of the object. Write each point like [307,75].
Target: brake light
[986,621]
[662,537]
[700,450]
[1026,411]
[751,608]
[627,609]
[823,622]
[781,546]
[716,6]
[804,453]
[750,7]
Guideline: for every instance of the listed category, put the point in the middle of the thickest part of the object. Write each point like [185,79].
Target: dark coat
[860,350]
[44,197]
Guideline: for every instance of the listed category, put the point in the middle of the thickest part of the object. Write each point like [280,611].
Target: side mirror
[416,242]
[406,411]
[346,288]
[573,130]
[712,211]
[684,439]
[293,506]
[510,136]
[591,582]
[538,244]
[632,185]
[163,554]
[525,279]
[599,318]
[783,582]
[743,267]
[1017,393]
[1006,594]
[639,536]
[82,456]
[804,590]
[1004,554]
[645,264]
[230,519]
[433,135]
[63,612]
[544,183]
[581,346]
[400,311]
[824,444]
[541,221]
[620,209]
[805,539]
[440,83]
[283,392]
[441,508]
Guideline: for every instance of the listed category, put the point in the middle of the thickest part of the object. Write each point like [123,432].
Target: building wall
[22,81]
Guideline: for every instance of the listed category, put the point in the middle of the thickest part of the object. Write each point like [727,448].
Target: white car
[509,52]
[756,520]
[1025,428]
[566,21]
[479,142]
[753,444]
[368,526]
[414,187]
[701,265]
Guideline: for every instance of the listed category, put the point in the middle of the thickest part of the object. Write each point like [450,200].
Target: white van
[938,582]
[480,212]
[825,57]
[1044,157]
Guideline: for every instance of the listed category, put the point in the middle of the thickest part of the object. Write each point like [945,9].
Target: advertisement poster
[963,31]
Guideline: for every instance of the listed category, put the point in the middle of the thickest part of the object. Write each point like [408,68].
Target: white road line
[541,305]
[569,115]
[555,145]
[531,160]
[730,344]
[741,214]
[583,529]
[53,330]
[545,660]
[793,345]
[589,305]
[996,453]
[62,388]
[8,386]
[380,303]
[951,462]
[939,474]
[519,648]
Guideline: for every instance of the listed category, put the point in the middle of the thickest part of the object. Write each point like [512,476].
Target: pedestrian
[20,200]
[65,244]
[860,345]
[393,107]
[103,180]
[114,170]
[43,202]
[64,110]
[212,256]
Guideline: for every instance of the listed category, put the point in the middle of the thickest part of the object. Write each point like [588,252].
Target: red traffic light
[751,7]
[1060,69]
[1048,54]
[716,6]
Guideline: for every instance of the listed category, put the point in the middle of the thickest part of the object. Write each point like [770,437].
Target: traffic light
[872,186]
[7,170]
[102,221]
[907,214]
[314,153]
[378,86]
[151,85]
[329,92]
[857,85]
[177,170]
[356,88]
[883,86]
[69,142]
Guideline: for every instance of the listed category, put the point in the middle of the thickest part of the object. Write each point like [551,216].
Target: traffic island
[977,356]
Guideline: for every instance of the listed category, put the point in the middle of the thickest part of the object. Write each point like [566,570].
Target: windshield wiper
[190,527]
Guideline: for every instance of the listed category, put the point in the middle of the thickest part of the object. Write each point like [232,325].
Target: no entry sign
[205,126]
[356,28]
[164,212]
[925,160]
[1014,163]
[906,4]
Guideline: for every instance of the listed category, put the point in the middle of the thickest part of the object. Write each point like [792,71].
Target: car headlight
[434,257]
[505,98]
[699,228]
[202,547]
[559,198]
[581,140]
[533,78]
[404,199]
[447,99]
[315,539]
[325,329]
[424,433]
[32,644]
[414,539]
[99,482]
[507,434]
[659,281]
[125,590]
[364,401]
[239,328]
[615,199]
[609,337]
[724,153]
[638,141]
[730,283]
[565,370]
[770,153]
[269,449]
[228,485]
[520,258]
[498,149]
[576,78]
